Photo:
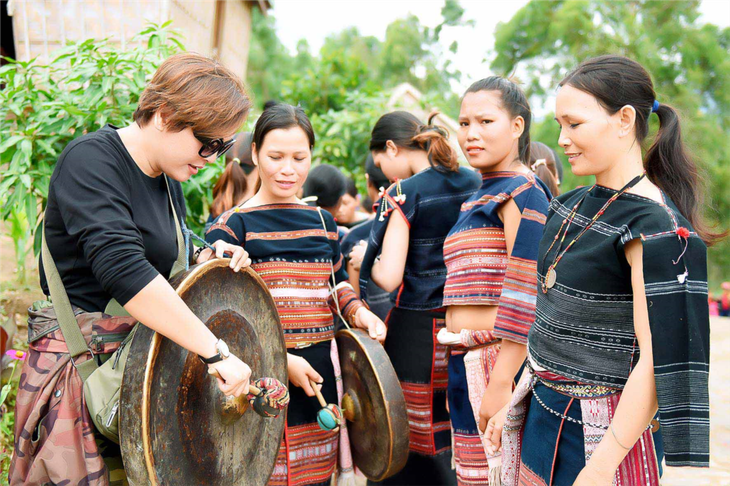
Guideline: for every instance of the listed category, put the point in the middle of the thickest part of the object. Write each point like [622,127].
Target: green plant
[43,107]
[343,136]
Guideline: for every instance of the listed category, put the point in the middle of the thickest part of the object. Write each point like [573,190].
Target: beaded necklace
[552,275]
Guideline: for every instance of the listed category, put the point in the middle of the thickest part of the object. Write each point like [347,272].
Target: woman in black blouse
[110,229]
[619,352]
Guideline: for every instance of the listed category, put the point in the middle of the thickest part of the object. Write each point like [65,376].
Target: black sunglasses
[215,147]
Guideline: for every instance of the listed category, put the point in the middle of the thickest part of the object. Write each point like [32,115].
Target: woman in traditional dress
[414,216]
[491,259]
[112,227]
[622,325]
[294,248]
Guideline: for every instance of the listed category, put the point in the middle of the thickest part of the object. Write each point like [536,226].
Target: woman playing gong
[114,204]
[295,250]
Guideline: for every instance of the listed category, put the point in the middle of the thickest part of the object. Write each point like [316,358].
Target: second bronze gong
[374,406]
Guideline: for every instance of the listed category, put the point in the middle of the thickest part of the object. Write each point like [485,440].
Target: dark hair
[282,116]
[617,81]
[229,189]
[407,131]
[195,91]
[327,183]
[269,104]
[232,184]
[241,150]
[351,187]
[366,204]
[516,104]
[547,171]
[375,174]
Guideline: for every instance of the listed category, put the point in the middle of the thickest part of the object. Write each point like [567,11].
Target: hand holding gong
[267,396]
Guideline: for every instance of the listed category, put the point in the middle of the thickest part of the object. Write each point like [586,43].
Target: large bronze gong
[374,406]
[176,427]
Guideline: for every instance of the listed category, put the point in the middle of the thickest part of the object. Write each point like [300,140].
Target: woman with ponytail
[544,164]
[619,352]
[294,248]
[491,259]
[234,185]
[411,223]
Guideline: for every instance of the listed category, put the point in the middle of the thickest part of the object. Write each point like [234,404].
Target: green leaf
[10,141]
[25,179]
[4,392]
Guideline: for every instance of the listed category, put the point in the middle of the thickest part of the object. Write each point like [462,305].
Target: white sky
[314,20]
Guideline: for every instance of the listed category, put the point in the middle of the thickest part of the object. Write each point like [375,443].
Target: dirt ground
[15,300]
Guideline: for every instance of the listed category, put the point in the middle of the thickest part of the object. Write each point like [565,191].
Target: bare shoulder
[509,211]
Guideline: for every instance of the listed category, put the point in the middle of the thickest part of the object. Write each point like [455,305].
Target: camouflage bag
[55,441]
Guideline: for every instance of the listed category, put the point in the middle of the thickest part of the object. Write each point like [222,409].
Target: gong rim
[395,410]
[184,284]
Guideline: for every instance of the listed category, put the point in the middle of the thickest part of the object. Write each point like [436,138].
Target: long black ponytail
[617,81]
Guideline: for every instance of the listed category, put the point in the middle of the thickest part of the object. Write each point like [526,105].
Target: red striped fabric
[300,291]
[476,261]
[308,455]
[471,461]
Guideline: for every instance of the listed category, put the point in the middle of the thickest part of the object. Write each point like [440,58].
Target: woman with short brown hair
[112,225]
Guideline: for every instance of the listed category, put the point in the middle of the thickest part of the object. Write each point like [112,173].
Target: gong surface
[374,405]
[172,426]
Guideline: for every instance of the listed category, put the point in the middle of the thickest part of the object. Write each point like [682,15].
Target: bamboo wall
[215,28]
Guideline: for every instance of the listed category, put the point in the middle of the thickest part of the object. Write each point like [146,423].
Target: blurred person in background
[349,214]
[724,305]
[544,164]
[325,187]
[354,244]
[237,183]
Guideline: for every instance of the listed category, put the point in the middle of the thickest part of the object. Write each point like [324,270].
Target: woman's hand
[357,254]
[364,319]
[493,432]
[300,372]
[233,375]
[239,256]
[495,398]
[591,476]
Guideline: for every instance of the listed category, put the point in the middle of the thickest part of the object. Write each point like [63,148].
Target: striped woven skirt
[553,427]
[469,373]
[308,454]
[421,365]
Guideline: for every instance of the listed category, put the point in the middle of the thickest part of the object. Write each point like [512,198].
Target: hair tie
[655,106]
[236,160]
[434,128]
[538,163]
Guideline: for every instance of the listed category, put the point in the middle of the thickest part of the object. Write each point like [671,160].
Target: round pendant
[552,276]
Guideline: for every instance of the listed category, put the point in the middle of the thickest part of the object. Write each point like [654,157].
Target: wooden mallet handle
[318,394]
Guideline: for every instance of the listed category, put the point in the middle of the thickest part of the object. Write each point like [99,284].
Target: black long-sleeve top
[109,226]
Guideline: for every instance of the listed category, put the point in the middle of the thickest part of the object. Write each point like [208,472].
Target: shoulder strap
[180,264]
[64,313]
[332,270]
[114,308]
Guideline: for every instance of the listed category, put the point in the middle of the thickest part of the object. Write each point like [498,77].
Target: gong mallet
[267,396]
[329,416]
